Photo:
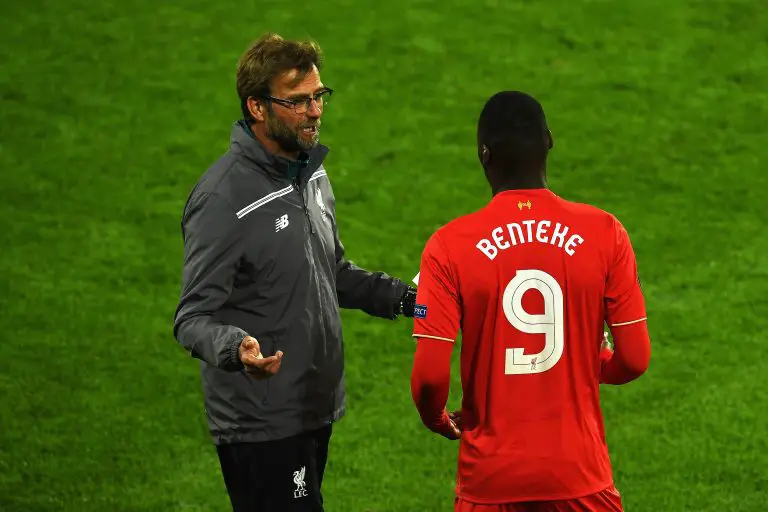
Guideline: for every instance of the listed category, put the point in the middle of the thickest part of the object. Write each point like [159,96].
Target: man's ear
[485,155]
[550,141]
[256,108]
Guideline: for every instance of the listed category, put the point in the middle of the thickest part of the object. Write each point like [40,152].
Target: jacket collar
[243,141]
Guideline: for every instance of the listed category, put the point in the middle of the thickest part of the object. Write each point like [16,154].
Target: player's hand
[447,427]
[606,349]
[256,365]
[455,416]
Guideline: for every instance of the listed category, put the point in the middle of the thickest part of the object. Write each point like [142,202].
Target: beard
[292,140]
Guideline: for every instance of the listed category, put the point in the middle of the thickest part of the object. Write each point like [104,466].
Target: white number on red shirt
[550,323]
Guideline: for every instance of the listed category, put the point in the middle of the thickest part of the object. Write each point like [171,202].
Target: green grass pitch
[109,111]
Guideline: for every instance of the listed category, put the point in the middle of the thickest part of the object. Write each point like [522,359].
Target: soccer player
[530,280]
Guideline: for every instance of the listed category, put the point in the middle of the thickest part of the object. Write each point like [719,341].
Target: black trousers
[276,476]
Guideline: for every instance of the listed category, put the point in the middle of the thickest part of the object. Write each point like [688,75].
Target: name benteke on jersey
[529,231]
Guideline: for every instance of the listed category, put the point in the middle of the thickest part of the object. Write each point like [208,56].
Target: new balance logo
[281,223]
[301,485]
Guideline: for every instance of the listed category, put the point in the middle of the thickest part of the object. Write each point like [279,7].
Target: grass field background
[110,111]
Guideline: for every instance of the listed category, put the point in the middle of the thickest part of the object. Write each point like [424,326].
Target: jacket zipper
[312,230]
[304,205]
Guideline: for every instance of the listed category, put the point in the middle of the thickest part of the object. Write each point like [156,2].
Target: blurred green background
[112,110]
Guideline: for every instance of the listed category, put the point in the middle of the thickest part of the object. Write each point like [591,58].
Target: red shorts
[607,500]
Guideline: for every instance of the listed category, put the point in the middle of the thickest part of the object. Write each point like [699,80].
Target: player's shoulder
[590,213]
[459,226]
[447,235]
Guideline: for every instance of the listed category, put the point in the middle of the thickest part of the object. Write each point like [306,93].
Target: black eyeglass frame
[306,104]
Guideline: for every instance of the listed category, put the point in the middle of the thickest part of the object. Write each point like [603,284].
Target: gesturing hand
[256,365]
[449,425]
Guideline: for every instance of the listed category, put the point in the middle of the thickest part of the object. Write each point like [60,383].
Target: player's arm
[631,354]
[435,328]
[212,249]
[626,315]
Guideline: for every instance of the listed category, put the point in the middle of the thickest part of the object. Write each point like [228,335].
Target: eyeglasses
[302,105]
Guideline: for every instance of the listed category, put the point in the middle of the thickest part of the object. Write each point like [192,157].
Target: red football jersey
[529,280]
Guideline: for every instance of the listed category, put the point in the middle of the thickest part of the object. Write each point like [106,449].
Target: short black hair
[514,128]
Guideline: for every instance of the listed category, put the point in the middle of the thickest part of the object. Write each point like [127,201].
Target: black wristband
[408,302]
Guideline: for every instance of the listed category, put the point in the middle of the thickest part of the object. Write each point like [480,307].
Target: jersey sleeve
[438,311]
[624,301]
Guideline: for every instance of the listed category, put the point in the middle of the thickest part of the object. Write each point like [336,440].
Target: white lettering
[559,235]
[541,231]
[572,242]
[488,249]
[512,235]
[528,224]
[499,241]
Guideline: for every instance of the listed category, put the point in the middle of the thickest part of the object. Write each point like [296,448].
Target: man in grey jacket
[265,275]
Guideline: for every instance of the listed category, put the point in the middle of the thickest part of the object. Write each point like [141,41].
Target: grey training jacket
[262,257]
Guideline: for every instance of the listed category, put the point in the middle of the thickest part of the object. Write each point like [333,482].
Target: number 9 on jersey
[551,323]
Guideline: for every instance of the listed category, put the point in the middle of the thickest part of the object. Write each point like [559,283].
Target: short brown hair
[268,57]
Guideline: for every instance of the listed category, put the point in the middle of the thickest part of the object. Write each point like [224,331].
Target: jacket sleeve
[212,250]
[375,293]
